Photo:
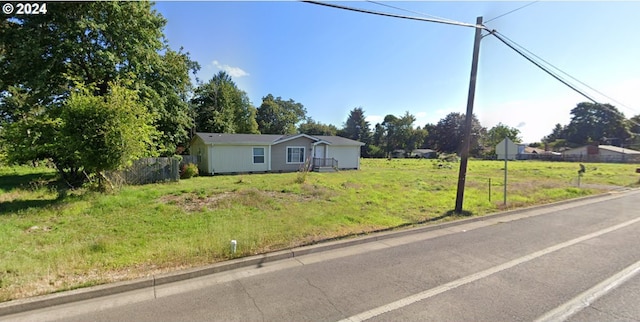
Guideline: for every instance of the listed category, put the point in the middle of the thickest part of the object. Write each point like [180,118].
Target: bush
[188,171]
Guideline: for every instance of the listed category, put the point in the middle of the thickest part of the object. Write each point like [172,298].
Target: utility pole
[464,155]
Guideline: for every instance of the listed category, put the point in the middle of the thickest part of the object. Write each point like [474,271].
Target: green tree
[312,127]
[389,125]
[398,133]
[597,122]
[357,128]
[277,116]
[449,134]
[634,127]
[96,43]
[558,132]
[88,134]
[497,133]
[106,132]
[220,107]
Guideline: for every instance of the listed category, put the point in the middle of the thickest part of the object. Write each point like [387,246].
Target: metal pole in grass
[489,189]
[506,158]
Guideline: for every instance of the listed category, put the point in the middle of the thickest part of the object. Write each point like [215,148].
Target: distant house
[398,154]
[424,153]
[601,153]
[240,153]
[529,153]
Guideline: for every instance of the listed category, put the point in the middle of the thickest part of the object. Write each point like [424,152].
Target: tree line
[87,90]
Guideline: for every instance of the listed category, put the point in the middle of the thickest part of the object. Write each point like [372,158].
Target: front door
[319,151]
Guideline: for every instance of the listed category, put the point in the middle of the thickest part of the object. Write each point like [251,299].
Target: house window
[295,154]
[258,155]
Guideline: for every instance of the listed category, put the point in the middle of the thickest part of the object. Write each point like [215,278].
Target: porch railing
[323,162]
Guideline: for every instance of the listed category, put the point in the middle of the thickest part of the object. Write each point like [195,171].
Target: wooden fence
[152,170]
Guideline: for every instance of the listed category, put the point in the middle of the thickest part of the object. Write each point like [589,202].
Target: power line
[514,10]
[455,23]
[565,73]
[491,32]
[496,34]
[411,11]
[499,36]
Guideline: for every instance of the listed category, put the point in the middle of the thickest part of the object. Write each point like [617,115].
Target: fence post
[489,189]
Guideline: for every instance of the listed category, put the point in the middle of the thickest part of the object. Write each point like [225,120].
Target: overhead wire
[447,22]
[505,40]
[411,11]
[499,36]
[568,75]
[512,11]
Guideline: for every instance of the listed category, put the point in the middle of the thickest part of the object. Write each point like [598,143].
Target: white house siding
[279,154]
[229,159]
[348,156]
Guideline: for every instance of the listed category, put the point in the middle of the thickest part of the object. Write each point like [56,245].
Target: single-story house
[529,153]
[424,153]
[601,153]
[239,153]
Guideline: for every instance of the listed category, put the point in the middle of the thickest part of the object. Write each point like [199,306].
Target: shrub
[189,170]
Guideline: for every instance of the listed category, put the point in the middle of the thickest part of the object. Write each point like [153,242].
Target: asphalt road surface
[576,262]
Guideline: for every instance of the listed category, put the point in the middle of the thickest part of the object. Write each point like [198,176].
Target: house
[424,153]
[237,153]
[529,153]
[601,153]
[398,153]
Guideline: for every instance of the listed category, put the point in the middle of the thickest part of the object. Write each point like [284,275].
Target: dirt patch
[192,202]
[35,229]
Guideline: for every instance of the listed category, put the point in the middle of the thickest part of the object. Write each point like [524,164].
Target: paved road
[577,261]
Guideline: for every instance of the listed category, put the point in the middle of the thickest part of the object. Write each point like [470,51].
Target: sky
[333,60]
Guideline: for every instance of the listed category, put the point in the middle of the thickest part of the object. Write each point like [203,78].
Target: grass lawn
[50,243]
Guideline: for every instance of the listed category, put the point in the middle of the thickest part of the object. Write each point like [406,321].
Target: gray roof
[618,149]
[423,151]
[268,139]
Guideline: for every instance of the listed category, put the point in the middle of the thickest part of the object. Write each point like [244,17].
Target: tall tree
[558,132]
[398,133]
[90,134]
[449,133]
[96,43]
[500,131]
[312,127]
[597,123]
[277,116]
[357,128]
[221,107]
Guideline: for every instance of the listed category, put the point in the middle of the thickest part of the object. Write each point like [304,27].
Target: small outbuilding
[601,153]
[242,153]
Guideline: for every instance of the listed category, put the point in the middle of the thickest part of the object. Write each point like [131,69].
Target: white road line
[474,277]
[589,296]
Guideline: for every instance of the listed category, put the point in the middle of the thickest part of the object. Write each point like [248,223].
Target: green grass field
[50,243]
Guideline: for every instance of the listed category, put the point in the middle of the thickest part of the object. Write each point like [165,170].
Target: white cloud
[232,71]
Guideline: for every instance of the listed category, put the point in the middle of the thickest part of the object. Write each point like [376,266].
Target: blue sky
[332,60]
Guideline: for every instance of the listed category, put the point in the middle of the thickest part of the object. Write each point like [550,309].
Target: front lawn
[50,242]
